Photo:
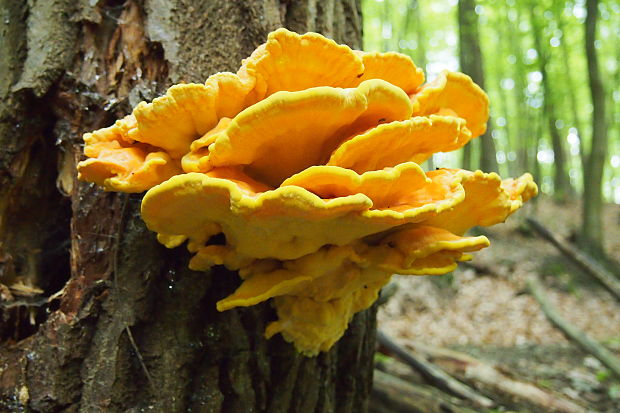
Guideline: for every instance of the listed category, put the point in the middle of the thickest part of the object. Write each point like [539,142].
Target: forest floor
[488,314]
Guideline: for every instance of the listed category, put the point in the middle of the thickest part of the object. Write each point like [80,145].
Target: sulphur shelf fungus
[307,161]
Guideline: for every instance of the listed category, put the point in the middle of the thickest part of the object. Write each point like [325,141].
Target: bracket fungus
[307,161]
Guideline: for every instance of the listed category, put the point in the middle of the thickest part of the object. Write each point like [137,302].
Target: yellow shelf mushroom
[307,161]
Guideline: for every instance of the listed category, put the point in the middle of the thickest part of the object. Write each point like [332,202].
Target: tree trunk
[386,28]
[509,142]
[413,23]
[592,221]
[561,182]
[470,58]
[528,133]
[134,329]
[570,84]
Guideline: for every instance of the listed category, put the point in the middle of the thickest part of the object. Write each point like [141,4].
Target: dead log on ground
[580,258]
[492,381]
[391,394]
[433,374]
[572,332]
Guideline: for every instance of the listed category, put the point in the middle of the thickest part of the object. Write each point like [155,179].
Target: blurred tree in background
[592,228]
[470,59]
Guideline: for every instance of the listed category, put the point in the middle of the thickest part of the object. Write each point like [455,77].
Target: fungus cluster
[307,161]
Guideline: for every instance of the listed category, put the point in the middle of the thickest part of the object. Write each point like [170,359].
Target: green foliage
[513,74]
[613,343]
[545,383]
[380,357]
[603,375]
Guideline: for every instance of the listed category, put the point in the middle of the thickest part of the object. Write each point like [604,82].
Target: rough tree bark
[134,329]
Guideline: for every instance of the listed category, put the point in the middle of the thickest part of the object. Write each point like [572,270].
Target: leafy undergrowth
[486,311]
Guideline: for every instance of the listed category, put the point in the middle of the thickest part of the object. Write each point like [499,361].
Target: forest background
[551,69]
[535,61]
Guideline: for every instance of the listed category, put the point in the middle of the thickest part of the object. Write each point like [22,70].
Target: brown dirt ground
[488,314]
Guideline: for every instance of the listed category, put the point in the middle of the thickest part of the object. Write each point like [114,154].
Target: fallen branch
[391,394]
[580,258]
[572,332]
[492,381]
[433,374]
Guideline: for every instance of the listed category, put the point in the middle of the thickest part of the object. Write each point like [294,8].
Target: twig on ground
[433,374]
[580,258]
[572,332]
[491,380]
[395,395]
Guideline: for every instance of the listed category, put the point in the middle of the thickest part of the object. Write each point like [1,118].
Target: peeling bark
[134,329]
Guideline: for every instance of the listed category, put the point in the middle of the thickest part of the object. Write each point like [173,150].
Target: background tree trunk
[470,59]
[134,329]
[412,23]
[592,221]
[561,182]
[525,139]
[570,82]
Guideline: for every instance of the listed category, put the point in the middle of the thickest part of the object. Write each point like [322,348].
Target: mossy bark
[135,330]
